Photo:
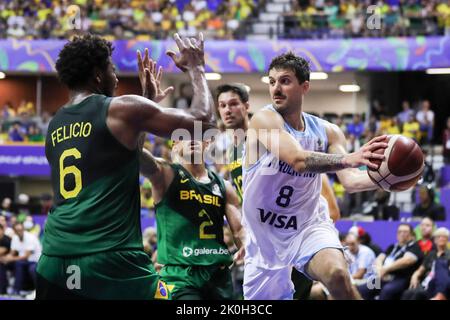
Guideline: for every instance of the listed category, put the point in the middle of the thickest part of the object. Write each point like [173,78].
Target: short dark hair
[290,61]
[411,230]
[79,57]
[237,88]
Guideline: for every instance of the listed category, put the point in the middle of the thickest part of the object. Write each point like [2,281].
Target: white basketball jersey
[279,203]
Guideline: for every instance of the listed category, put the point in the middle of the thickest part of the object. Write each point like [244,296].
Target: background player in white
[286,221]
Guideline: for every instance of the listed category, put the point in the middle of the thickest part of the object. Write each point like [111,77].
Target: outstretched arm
[353,179]
[267,128]
[157,170]
[130,114]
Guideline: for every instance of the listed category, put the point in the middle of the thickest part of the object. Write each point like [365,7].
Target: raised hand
[192,53]
[151,79]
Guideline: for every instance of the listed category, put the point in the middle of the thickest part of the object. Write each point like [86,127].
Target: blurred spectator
[339,192]
[425,117]
[5,246]
[16,31]
[411,128]
[446,142]
[23,258]
[184,100]
[7,111]
[366,239]
[8,231]
[395,267]
[31,227]
[384,124]
[407,112]
[428,174]
[6,207]
[393,127]
[377,109]
[380,209]
[23,206]
[424,233]
[427,206]
[363,258]
[431,279]
[443,15]
[146,195]
[372,127]
[340,123]
[17,132]
[34,134]
[356,127]
[46,203]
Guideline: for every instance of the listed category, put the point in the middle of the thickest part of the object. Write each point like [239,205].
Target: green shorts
[105,275]
[198,282]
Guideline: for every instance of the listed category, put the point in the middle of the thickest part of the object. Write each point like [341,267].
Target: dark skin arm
[129,115]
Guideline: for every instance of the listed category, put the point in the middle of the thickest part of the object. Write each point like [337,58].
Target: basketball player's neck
[78,95]
[295,119]
[198,171]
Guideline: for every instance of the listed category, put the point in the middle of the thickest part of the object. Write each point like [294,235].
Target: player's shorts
[125,275]
[261,283]
[198,282]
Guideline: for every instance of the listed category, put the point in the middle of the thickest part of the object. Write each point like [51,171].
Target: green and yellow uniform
[93,232]
[235,167]
[190,220]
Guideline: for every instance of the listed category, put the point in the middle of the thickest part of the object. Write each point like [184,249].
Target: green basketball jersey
[95,181]
[190,220]
[235,167]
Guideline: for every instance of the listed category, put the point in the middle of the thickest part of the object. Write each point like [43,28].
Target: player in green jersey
[92,247]
[191,203]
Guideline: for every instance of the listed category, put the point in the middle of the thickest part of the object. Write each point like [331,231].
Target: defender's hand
[192,53]
[150,78]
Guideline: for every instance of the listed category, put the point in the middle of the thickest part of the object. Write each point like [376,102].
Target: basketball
[402,167]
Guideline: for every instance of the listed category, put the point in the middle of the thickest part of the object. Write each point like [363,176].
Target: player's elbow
[205,118]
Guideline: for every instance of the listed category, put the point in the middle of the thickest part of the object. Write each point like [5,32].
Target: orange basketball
[402,167]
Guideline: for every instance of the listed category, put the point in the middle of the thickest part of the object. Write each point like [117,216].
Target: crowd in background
[22,124]
[220,19]
[421,257]
[352,18]
[415,120]
[20,235]
[122,19]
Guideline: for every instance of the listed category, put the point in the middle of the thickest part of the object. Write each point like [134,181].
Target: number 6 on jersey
[63,171]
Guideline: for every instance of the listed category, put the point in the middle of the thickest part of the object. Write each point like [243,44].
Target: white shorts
[261,283]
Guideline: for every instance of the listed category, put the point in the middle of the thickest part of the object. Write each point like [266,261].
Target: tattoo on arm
[324,162]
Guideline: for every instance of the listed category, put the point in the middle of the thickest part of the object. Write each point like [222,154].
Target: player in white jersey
[286,221]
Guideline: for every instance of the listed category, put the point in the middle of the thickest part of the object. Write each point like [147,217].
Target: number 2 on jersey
[63,171]
[203,234]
